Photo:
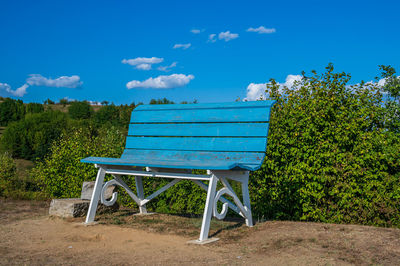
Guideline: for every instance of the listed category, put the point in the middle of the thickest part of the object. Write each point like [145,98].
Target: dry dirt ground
[29,237]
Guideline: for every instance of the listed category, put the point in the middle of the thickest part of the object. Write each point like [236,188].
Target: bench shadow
[227,224]
[229,227]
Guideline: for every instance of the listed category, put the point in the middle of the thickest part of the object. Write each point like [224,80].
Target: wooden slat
[268,103]
[252,144]
[198,130]
[194,113]
[184,159]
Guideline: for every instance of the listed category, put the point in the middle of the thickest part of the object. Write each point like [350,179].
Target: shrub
[8,171]
[30,138]
[61,173]
[80,110]
[108,114]
[329,157]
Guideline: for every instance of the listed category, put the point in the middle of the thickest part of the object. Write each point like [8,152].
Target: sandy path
[28,236]
[48,241]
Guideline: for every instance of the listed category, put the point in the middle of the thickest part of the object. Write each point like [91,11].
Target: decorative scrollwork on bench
[117,181]
[114,195]
[224,210]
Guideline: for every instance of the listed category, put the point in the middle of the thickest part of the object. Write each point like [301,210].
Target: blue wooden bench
[168,141]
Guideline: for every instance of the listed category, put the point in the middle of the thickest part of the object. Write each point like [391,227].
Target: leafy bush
[80,110]
[61,173]
[8,171]
[30,138]
[329,157]
[107,114]
[392,103]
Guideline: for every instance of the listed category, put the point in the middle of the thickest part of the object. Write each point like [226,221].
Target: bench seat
[185,160]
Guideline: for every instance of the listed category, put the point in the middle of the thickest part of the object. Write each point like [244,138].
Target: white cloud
[5,86]
[167,68]
[195,31]
[382,82]
[211,38]
[143,63]
[227,36]
[143,66]
[256,91]
[21,91]
[161,82]
[290,79]
[38,80]
[184,46]
[262,30]
[61,82]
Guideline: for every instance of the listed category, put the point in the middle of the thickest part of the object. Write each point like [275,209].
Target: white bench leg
[95,196]
[246,201]
[208,210]
[140,193]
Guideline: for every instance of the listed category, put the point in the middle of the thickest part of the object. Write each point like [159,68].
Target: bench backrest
[214,127]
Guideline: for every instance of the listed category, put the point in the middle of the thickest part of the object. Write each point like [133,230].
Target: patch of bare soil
[29,236]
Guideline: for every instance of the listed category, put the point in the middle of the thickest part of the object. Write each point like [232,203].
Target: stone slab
[76,207]
[68,207]
[87,190]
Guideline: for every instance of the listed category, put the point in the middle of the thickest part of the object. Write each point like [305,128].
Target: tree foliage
[31,137]
[11,110]
[161,101]
[8,172]
[33,108]
[107,114]
[80,110]
[61,173]
[329,156]
[392,102]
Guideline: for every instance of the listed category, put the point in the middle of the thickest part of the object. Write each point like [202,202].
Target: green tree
[48,101]
[30,138]
[33,108]
[107,114]
[161,101]
[80,110]
[63,101]
[392,102]
[11,110]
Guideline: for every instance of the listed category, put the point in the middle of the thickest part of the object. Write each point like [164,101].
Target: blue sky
[113,50]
